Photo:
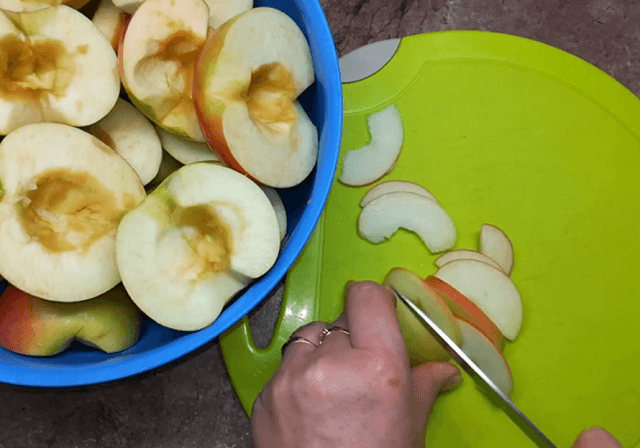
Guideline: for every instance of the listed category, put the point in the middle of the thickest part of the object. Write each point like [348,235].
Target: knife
[485,383]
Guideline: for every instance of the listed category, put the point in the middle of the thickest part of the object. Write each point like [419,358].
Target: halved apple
[196,240]
[495,244]
[394,186]
[421,346]
[378,157]
[490,289]
[467,255]
[486,356]
[64,193]
[131,135]
[157,56]
[52,74]
[247,79]
[383,216]
[278,206]
[38,5]
[37,327]
[111,21]
[185,151]
[467,310]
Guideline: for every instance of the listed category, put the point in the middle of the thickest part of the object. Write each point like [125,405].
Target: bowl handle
[250,367]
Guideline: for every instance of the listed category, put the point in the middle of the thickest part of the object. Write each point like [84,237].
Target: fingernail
[453,382]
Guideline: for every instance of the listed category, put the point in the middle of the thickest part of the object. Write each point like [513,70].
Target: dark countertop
[191,403]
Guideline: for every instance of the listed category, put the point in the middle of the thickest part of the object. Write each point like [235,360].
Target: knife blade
[493,392]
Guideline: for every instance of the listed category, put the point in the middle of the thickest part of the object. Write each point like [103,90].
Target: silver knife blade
[488,386]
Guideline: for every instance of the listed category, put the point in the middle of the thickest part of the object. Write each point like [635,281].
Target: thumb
[427,381]
[596,438]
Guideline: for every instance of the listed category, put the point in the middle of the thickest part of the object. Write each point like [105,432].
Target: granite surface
[191,403]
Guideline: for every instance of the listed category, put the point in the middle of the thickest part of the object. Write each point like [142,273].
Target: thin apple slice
[378,157]
[467,310]
[383,216]
[196,240]
[278,206]
[421,346]
[131,135]
[185,151]
[495,244]
[64,193]
[486,356]
[54,74]
[466,255]
[490,289]
[393,186]
[247,79]
[111,21]
[157,56]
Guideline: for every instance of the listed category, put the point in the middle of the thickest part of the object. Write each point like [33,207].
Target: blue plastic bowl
[158,345]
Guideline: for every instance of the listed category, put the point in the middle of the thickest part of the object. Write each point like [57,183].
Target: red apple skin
[465,309]
[120,45]
[37,327]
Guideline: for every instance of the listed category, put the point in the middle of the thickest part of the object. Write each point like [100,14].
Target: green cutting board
[515,133]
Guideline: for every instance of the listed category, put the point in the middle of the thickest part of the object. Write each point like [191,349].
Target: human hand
[352,389]
[596,438]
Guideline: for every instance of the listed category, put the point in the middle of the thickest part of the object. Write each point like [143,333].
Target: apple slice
[421,346]
[64,192]
[247,79]
[37,327]
[278,206]
[58,68]
[128,6]
[486,356]
[131,135]
[394,186]
[185,151]
[221,11]
[495,244]
[383,216]
[38,5]
[197,240]
[490,289]
[157,56]
[467,310]
[378,157]
[467,255]
[111,21]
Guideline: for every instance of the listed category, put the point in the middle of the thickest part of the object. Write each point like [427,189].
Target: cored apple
[486,356]
[131,135]
[111,21]
[37,327]
[186,151]
[496,244]
[157,55]
[490,289]
[421,346]
[465,309]
[466,254]
[394,186]
[57,67]
[247,78]
[64,193]
[195,241]
[37,5]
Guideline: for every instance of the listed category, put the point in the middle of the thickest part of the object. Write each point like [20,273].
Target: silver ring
[293,340]
[327,331]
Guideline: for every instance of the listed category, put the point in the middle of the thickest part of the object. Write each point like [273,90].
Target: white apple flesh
[186,151]
[168,165]
[383,216]
[490,289]
[197,240]
[131,135]
[367,164]
[59,68]
[38,5]
[465,254]
[110,20]
[495,244]
[64,192]
[394,186]
[278,207]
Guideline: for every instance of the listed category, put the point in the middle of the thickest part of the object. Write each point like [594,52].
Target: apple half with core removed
[156,58]
[56,67]
[247,79]
[195,241]
[63,195]
[421,346]
[37,327]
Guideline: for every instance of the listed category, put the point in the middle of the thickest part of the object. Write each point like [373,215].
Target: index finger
[373,322]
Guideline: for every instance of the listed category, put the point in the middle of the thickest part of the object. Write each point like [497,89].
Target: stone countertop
[191,403]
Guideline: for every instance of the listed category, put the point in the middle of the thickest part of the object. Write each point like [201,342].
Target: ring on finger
[294,340]
[327,331]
